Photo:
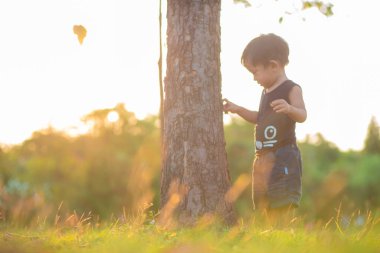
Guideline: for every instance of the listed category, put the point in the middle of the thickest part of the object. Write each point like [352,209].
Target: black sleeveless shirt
[274,130]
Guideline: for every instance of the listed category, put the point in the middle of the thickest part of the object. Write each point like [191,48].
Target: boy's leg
[285,186]
[262,168]
[281,217]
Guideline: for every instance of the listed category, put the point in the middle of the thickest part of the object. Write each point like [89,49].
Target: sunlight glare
[112,117]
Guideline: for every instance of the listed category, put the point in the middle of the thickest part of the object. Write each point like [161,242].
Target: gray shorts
[276,178]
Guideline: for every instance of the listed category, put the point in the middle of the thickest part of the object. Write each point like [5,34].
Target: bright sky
[48,78]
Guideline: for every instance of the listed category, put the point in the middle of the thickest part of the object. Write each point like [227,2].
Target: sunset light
[260,134]
[118,63]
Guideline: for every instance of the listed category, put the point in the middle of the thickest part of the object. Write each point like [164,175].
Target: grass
[135,236]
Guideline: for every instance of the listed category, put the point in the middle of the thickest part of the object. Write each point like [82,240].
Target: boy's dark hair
[263,49]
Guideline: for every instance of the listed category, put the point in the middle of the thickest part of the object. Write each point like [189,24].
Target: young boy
[277,169]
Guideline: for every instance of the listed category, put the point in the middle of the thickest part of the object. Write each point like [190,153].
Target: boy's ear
[274,64]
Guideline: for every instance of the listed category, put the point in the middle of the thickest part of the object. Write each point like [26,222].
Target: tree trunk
[195,176]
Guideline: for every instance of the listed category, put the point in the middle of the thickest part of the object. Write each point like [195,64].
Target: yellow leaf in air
[81,32]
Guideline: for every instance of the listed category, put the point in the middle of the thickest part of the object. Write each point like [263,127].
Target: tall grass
[359,232]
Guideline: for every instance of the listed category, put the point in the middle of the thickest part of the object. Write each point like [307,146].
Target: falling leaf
[81,32]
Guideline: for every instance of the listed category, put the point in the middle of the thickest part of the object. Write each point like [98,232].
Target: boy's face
[265,75]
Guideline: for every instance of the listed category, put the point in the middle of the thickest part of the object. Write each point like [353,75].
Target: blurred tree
[364,176]
[324,8]
[114,166]
[123,162]
[108,169]
[4,169]
[240,146]
[240,149]
[372,140]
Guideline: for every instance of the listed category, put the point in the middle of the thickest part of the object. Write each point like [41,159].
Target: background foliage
[114,170]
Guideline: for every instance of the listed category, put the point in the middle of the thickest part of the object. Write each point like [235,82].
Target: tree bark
[195,176]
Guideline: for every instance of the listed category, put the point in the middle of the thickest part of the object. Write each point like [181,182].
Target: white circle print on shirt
[270,134]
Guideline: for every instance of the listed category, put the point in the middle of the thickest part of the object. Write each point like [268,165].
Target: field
[82,235]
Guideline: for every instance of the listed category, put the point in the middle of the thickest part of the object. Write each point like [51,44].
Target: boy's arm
[296,109]
[250,116]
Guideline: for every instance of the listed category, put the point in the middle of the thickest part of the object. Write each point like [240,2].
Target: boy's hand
[250,116]
[228,106]
[281,106]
